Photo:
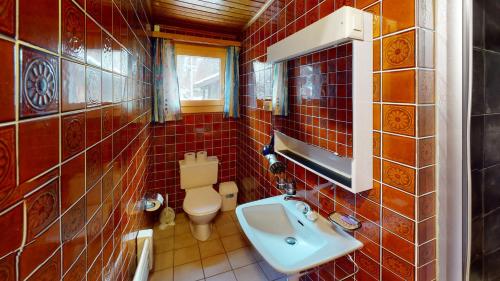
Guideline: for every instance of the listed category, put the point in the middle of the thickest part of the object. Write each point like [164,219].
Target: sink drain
[290,240]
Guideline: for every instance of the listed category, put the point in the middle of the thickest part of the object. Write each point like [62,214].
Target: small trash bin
[229,193]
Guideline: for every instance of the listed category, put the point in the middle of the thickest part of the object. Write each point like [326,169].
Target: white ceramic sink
[269,222]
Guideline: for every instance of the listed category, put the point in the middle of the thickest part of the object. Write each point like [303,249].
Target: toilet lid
[202,201]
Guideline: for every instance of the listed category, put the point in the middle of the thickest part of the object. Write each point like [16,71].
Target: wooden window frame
[213,105]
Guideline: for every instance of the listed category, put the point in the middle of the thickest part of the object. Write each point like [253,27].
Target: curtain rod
[195,39]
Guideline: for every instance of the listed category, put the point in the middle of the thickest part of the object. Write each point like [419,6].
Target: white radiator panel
[144,255]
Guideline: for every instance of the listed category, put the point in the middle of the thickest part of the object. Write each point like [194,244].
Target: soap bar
[345,221]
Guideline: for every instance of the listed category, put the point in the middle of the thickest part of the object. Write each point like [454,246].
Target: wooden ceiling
[224,16]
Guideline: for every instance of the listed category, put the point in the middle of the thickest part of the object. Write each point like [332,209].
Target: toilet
[202,202]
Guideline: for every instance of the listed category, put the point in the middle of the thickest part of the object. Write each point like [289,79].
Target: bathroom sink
[287,240]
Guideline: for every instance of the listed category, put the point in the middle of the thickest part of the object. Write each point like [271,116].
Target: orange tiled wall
[195,132]
[398,214]
[74,132]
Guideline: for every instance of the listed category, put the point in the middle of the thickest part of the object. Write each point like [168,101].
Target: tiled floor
[225,256]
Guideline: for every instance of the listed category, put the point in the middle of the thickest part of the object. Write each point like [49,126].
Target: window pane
[199,77]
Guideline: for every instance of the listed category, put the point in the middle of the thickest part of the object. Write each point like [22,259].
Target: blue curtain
[232,83]
[280,89]
[166,98]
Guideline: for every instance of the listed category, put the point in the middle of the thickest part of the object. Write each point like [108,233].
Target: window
[201,70]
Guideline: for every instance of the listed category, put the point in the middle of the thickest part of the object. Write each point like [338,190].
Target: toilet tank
[199,173]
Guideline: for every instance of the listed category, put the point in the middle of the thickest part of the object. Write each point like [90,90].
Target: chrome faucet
[287,186]
[307,208]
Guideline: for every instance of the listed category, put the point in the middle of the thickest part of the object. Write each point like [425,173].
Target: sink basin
[287,240]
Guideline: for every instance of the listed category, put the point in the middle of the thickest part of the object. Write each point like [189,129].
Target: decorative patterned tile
[42,208]
[6,77]
[399,51]
[398,176]
[399,119]
[72,31]
[93,86]
[107,52]
[73,233]
[39,23]
[73,221]
[73,135]
[39,83]
[395,264]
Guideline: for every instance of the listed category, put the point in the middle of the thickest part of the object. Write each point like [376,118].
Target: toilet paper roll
[190,157]
[154,203]
[201,156]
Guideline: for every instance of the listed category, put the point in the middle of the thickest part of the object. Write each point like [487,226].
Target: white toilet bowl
[202,205]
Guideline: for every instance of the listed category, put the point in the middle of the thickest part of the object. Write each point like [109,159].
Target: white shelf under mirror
[344,25]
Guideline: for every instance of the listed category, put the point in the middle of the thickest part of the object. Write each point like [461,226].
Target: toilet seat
[201,201]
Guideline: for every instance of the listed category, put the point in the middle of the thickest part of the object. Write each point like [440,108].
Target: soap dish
[344,221]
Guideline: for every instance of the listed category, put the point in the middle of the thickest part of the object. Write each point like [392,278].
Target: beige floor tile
[214,235]
[186,255]
[227,276]
[211,248]
[162,234]
[233,216]
[270,272]
[215,265]
[181,218]
[250,273]
[163,245]
[163,260]
[181,229]
[184,240]
[233,242]
[227,229]
[223,218]
[189,272]
[241,257]
[163,275]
